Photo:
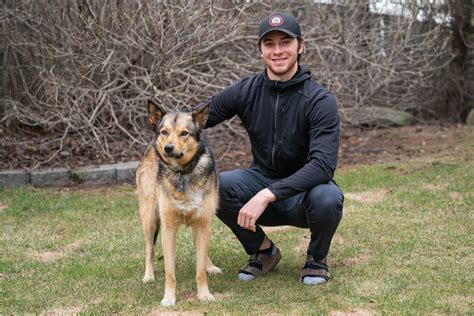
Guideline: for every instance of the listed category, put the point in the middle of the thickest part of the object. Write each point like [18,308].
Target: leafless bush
[371,59]
[86,68]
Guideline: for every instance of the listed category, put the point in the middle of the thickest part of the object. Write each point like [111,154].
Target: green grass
[404,246]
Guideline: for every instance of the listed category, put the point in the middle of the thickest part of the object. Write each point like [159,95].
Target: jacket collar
[301,75]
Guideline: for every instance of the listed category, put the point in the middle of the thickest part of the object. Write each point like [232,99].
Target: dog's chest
[188,201]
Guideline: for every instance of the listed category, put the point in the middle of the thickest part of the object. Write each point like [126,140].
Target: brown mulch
[403,143]
[358,146]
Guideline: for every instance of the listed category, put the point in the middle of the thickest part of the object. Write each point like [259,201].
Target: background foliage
[86,68]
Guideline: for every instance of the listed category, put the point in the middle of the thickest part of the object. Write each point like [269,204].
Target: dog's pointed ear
[200,113]
[155,112]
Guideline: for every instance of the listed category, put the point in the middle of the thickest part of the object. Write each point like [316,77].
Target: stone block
[470,118]
[53,177]
[94,175]
[376,116]
[126,171]
[11,178]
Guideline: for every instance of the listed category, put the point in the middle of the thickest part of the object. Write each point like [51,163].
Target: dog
[177,184]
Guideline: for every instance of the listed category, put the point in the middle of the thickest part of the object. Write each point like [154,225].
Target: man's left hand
[253,209]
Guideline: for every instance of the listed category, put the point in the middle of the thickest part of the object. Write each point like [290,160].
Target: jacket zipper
[275,133]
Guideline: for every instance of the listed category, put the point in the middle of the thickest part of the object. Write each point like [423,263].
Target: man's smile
[279,60]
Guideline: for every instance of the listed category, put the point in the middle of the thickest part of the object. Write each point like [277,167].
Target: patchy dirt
[354,261]
[166,312]
[354,312]
[367,196]
[358,146]
[270,230]
[52,256]
[64,311]
[303,244]
[434,187]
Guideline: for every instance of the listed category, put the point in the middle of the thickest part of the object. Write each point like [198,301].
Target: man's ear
[300,46]
[201,113]
[155,112]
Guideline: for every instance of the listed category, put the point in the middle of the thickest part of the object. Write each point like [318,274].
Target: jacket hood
[301,75]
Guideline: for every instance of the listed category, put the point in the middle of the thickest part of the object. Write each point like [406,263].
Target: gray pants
[319,209]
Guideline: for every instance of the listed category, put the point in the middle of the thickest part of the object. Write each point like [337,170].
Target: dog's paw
[213,270]
[148,278]
[207,297]
[168,302]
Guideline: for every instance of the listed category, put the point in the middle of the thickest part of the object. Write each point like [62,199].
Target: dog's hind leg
[151,226]
[211,268]
[202,236]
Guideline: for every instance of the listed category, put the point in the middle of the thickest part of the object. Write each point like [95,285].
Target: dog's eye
[164,132]
[184,133]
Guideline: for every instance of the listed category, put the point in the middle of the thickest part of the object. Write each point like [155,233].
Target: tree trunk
[460,97]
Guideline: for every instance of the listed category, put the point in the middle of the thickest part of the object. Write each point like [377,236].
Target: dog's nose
[169,148]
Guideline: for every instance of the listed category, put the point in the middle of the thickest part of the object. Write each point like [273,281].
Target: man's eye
[164,132]
[184,133]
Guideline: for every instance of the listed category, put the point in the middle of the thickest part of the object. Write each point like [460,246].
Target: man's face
[280,53]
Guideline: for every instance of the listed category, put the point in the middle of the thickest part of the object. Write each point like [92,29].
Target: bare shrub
[85,68]
[371,59]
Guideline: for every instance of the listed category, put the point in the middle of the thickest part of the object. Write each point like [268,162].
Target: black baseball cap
[280,21]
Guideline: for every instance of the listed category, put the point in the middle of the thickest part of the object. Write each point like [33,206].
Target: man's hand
[251,211]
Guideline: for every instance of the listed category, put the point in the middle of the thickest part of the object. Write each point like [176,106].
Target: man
[293,126]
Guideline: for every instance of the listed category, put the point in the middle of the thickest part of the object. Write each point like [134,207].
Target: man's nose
[277,49]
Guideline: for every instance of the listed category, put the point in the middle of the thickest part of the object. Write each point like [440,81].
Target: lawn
[404,246]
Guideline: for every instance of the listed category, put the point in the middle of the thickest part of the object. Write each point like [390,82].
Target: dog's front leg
[168,241]
[151,225]
[202,236]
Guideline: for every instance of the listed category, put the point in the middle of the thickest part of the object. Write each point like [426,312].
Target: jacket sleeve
[323,150]
[224,105]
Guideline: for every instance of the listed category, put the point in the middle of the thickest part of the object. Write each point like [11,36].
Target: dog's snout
[169,148]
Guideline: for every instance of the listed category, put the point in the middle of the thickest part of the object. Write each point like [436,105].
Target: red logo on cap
[276,20]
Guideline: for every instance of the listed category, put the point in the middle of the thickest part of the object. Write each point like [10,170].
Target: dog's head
[178,134]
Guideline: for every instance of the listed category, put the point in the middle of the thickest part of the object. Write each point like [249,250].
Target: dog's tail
[156,235]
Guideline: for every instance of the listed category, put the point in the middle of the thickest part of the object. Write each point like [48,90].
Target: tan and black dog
[177,184]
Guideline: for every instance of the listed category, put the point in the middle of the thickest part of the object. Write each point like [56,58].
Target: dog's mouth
[174,155]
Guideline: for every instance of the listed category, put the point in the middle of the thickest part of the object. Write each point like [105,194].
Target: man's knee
[324,203]
[229,184]
[233,191]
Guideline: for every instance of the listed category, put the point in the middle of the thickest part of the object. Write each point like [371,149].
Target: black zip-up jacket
[293,128]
